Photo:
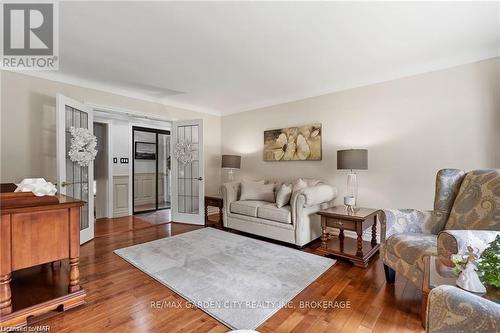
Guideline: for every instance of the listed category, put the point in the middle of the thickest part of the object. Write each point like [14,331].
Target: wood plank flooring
[120,297]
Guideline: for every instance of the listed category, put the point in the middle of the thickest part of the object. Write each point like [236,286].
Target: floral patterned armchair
[466,211]
[452,309]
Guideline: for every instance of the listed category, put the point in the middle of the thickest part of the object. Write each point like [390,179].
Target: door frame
[61,102]
[156,131]
[109,163]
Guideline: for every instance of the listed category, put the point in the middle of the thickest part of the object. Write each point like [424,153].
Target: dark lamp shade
[356,159]
[231,161]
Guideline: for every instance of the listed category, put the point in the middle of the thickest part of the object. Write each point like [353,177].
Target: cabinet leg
[206,215]
[74,275]
[374,233]
[220,218]
[359,251]
[324,233]
[5,294]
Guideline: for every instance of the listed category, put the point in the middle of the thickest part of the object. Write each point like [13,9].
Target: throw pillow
[257,191]
[299,185]
[283,195]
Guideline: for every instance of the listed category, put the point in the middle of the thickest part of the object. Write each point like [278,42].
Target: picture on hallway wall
[145,150]
[293,143]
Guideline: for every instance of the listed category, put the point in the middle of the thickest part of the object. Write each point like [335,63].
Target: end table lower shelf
[348,249]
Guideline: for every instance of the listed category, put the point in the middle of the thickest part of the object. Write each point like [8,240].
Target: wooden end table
[214,201]
[356,250]
[437,274]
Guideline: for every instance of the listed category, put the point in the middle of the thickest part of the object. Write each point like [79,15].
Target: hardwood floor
[105,226]
[120,296]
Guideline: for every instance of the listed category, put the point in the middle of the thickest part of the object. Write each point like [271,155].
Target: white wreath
[83,146]
[184,152]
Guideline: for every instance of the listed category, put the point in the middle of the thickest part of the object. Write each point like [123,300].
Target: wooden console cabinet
[35,231]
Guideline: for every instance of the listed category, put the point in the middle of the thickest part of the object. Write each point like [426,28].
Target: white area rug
[238,280]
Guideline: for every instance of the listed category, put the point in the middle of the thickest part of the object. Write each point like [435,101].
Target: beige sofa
[295,223]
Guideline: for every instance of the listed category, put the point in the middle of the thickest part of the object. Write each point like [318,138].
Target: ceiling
[228,57]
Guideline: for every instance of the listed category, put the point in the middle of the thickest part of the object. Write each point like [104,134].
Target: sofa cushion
[272,212]
[257,191]
[411,247]
[298,185]
[247,207]
[477,205]
[283,195]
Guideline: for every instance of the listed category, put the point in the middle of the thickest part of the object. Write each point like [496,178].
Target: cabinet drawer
[341,224]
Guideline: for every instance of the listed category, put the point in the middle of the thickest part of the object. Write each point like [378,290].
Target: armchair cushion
[450,309]
[477,206]
[411,248]
[456,241]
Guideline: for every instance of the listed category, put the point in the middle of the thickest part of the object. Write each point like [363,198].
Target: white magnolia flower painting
[293,143]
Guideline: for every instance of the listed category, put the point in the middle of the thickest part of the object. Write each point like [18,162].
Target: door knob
[200,178]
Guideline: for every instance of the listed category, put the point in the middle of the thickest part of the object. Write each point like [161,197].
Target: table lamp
[352,159]
[231,163]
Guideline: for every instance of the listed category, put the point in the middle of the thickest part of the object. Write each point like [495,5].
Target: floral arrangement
[184,152]
[83,146]
[489,264]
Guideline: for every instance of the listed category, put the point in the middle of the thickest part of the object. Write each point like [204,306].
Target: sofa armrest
[451,309]
[315,195]
[451,242]
[230,193]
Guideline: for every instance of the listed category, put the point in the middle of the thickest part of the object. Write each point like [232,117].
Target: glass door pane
[163,171]
[77,177]
[145,162]
[188,177]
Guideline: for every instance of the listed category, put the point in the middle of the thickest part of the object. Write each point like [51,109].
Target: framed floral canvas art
[293,143]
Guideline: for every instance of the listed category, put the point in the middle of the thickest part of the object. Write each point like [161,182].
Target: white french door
[72,179]
[188,189]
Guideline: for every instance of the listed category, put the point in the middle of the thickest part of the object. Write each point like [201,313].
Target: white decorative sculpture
[38,186]
[469,280]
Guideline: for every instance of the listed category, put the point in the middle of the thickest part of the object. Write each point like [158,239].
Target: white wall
[412,127]
[27,131]
[121,146]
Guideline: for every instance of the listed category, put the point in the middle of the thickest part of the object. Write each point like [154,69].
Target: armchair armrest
[451,242]
[452,309]
[397,221]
